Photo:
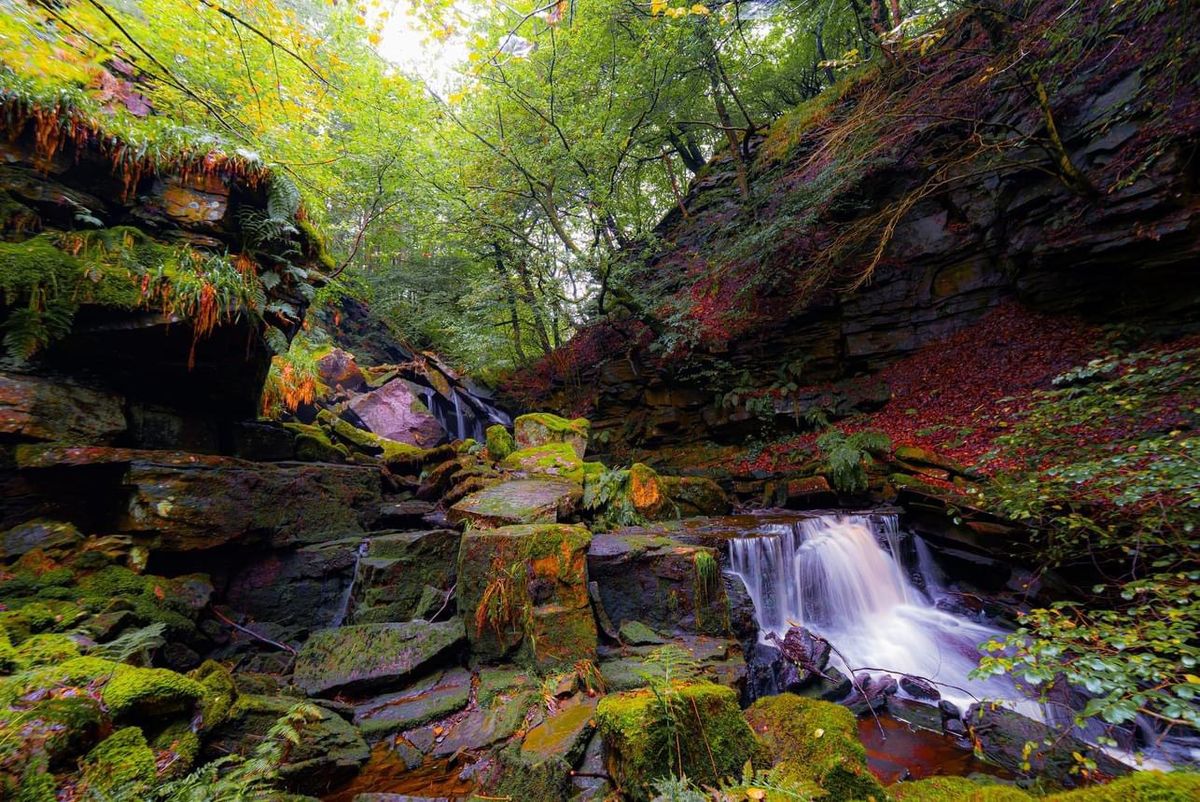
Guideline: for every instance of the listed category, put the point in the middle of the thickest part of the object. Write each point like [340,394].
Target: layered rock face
[881,220]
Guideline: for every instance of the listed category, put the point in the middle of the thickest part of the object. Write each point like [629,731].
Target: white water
[832,575]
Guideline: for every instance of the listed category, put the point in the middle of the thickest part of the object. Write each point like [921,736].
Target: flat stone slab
[431,698]
[521,501]
[194,501]
[372,655]
[33,408]
[564,734]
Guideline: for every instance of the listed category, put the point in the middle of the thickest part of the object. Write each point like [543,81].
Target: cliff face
[1053,159]
[163,275]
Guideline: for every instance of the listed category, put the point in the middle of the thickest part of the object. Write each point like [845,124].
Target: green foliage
[121,767]
[1141,657]
[254,778]
[846,456]
[707,576]
[606,494]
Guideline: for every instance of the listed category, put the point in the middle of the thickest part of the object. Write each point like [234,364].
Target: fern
[253,778]
[283,197]
[135,643]
[846,457]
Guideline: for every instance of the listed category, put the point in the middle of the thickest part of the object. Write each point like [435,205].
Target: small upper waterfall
[843,577]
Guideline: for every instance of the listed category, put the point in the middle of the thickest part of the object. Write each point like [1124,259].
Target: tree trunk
[510,298]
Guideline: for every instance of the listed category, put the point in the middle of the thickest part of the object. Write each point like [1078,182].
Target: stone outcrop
[372,655]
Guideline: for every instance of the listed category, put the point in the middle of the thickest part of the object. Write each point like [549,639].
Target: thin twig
[254,634]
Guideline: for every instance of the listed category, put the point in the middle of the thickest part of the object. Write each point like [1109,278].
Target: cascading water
[841,577]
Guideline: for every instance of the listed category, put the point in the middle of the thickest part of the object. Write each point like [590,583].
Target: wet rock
[305,587]
[635,633]
[48,536]
[339,369]
[1001,735]
[404,573]
[189,501]
[834,686]
[805,650]
[500,442]
[769,673]
[646,575]
[263,442]
[372,655]
[717,660]
[403,514]
[540,768]
[521,501]
[919,688]
[330,751]
[948,709]
[694,495]
[524,590]
[487,725]
[433,697]
[33,408]
[395,411]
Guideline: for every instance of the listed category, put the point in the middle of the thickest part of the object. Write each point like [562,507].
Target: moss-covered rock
[220,692]
[523,591]
[46,649]
[541,428]
[500,442]
[399,457]
[50,733]
[551,459]
[695,729]
[313,444]
[955,789]
[695,495]
[179,746]
[121,767]
[645,492]
[330,749]
[520,501]
[372,655]
[1141,786]
[146,693]
[815,741]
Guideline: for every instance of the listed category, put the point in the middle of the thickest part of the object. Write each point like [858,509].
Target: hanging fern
[283,198]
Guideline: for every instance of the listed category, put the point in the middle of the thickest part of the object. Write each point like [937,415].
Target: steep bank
[1033,160]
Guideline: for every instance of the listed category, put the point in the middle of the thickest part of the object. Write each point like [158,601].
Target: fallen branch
[254,634]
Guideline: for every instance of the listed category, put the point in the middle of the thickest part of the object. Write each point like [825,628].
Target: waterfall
[344,607]
[843,577]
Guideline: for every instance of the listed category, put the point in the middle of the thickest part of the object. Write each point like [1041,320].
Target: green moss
[1141,786]
[955,789]
[550,459]
[314,245]
[695,729]
[9,659]
[395,454]
[37,784]
[150,692]
[147,597]
[121,767]
[541,428]
[220,693]
[182,743]
[46,649]
[500,442]
[816,741]
[313,444]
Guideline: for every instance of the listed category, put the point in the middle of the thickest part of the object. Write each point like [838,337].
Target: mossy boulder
[46,649]
[551,459]
[500,442]
[955,789]
[122,766]
[399,457]
[432,697]
[330,750]
[815,741]
[178,746]
[367,656]
[313,444]
[219,693]
[542,428]
[50,733]
[695,729]
[523,591]
[1141,786]
[405,573]
[520,501]
[645,492]
[146,693]
[540,766]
